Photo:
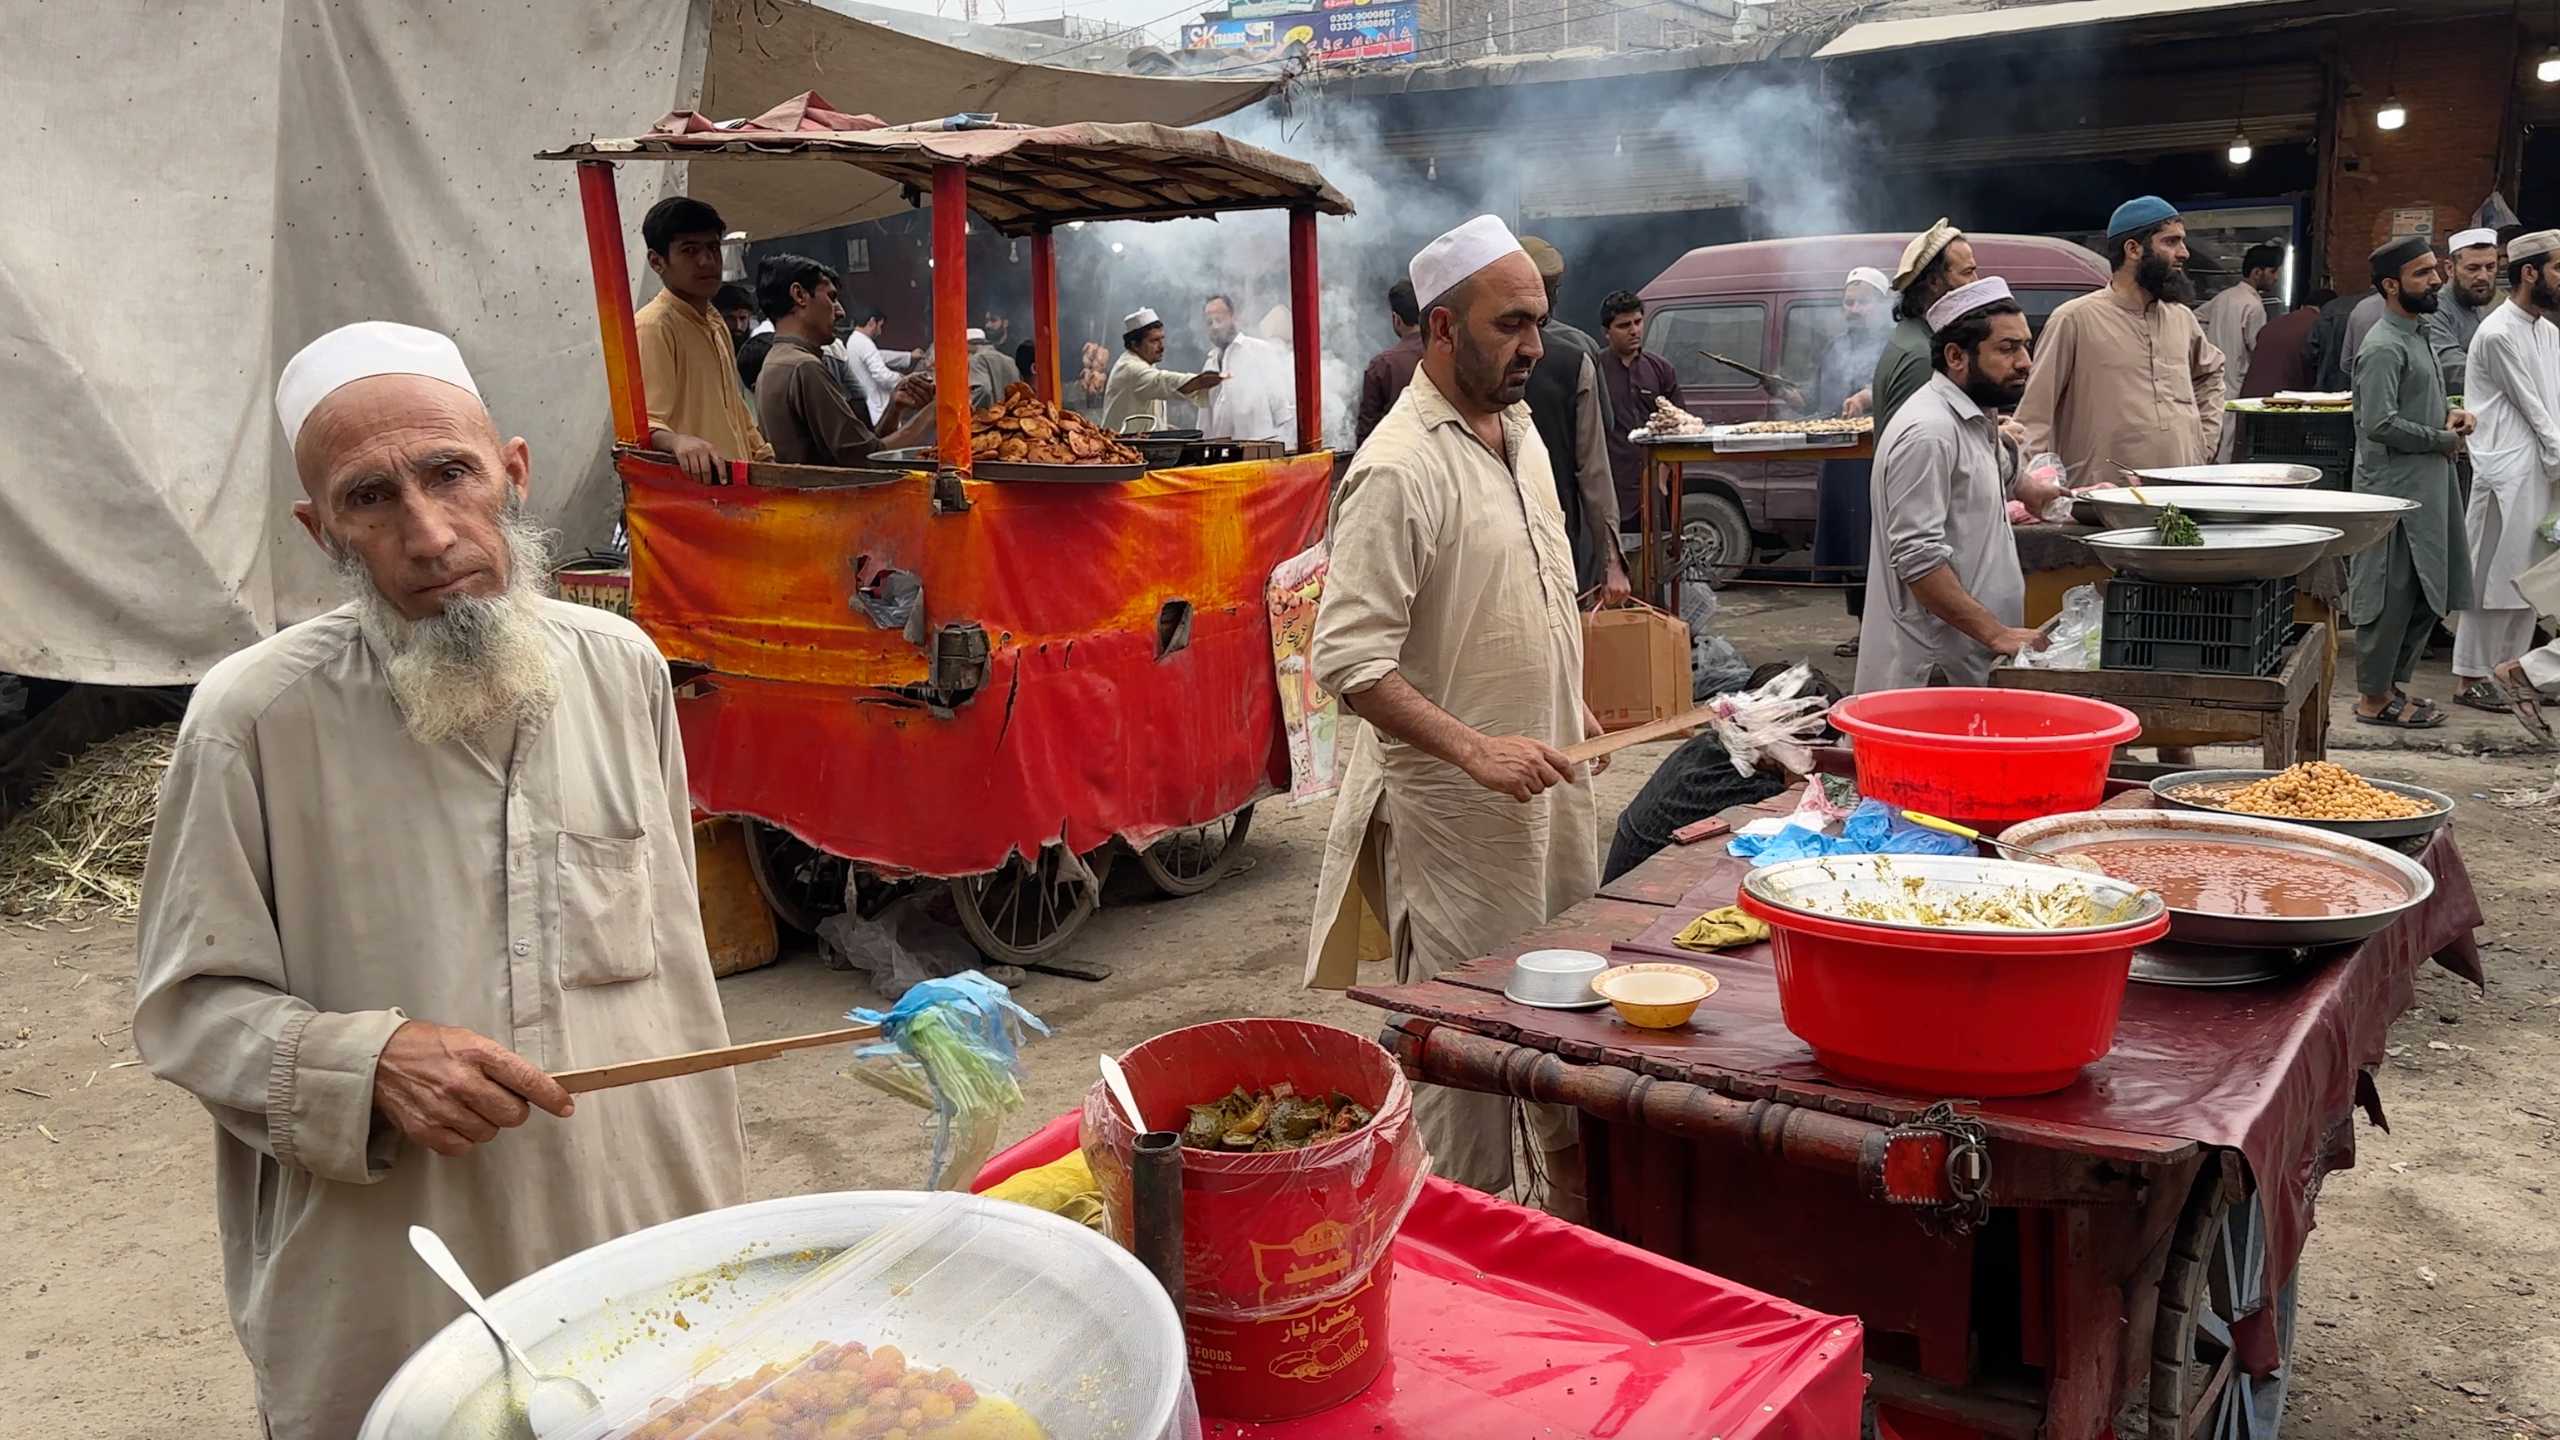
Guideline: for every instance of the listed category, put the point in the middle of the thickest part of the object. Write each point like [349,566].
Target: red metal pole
[605,255]
[951,313]
[1305,334]
[1046,375]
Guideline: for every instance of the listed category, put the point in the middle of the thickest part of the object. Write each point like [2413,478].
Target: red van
[1773,305]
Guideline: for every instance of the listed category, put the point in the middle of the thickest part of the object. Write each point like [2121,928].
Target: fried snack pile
[1022,428]
[837,1392]
[2177,527]
[1670,419]
[1843,426]
[1275,1119]
[1914,900]
[2314,790]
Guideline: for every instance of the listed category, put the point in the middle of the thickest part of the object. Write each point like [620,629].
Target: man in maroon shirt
[1636,378]
[2282,360]
[1391,369]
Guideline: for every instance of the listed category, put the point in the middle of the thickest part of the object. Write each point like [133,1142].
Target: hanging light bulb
[2548,72]
[2392,115]
[1118,249]
[2240,151]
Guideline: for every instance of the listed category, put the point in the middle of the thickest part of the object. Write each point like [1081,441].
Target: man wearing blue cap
[2125,376]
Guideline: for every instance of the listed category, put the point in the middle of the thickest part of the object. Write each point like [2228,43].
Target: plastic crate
[2322,439]
[2234,629]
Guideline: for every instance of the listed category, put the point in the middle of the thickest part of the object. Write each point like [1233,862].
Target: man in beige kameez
[2125,376]
[1449,625]
[412,856]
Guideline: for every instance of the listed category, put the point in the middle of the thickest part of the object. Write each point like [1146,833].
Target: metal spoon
[2034,856]
[557,1404]
[1118,1085]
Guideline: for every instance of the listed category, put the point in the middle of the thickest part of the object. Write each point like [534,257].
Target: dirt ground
[2418,1290]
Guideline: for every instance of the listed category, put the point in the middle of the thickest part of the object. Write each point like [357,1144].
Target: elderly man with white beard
[412,856]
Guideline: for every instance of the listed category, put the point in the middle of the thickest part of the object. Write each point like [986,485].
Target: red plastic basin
[1969,1013]
[1988,758]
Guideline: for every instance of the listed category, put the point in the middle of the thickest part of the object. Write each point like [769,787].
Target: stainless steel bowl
[2229,552]
[2253,475]
[2363,521]
[1807,887]
[2199,927]
[1031,1291]
[2376,830]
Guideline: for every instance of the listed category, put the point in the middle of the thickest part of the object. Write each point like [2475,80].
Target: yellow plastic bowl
[1654,997]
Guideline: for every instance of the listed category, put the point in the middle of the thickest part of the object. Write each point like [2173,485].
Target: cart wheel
[1025,913]
[1187,862]
[2216,1275]
[1715,539]
[802,883]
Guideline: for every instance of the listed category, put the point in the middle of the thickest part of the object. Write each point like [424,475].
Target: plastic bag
[978,1318]
[2074,639]
[1777,719]
[951,1046]
[1872,829]
[1268,1233]
[901,947]
[2047,469]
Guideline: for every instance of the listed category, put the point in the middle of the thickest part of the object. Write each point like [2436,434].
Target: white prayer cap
[359,352]
[1140,319]
[2533,243]
[1871,277]
[1956,302]
[977,336]
[2466,239]
[1459,254]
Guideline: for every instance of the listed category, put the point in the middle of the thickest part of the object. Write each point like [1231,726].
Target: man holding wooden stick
[411,857]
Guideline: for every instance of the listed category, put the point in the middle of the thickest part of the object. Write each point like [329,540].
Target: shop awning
[1874,35]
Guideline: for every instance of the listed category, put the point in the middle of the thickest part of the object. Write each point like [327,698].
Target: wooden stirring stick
[632,1072]
[1586,751]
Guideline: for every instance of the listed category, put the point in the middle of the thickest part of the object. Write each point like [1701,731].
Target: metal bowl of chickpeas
[2319,793]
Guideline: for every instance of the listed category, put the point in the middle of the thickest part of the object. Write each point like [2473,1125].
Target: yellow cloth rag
[1722,930]
[1065,1186]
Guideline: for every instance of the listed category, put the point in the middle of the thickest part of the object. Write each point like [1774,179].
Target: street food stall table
[2130,1239]
[2286,714]
[1503,1321]
[1659,564]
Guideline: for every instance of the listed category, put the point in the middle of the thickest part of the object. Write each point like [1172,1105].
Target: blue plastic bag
[952,1047]
[1871,829]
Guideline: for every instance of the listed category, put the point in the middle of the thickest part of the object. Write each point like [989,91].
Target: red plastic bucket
[1968,1013]
[1282,1252]
[1988,758]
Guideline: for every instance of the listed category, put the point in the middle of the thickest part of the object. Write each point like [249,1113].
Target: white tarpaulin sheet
[209,185]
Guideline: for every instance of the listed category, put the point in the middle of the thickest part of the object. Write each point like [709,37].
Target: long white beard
[483,661]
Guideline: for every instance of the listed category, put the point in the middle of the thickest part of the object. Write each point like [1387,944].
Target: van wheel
[1715,540]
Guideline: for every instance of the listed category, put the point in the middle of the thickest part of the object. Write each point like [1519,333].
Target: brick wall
[2457,80]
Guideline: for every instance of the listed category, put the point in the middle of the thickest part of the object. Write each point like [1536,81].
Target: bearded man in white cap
[1948,595]
[1449,625]
[1140,388]
[2470,295]
[411,856]
[2514,398]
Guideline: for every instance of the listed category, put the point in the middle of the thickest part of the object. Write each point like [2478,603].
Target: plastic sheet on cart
[1510,1322]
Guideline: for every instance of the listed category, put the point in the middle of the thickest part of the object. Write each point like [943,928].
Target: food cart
[2122,1249]
[945,670]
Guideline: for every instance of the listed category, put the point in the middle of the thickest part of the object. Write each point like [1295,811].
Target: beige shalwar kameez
[2122,384]
[1450,566]
[317,877]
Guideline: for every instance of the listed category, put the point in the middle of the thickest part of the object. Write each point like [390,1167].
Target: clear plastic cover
[1269,1231]
[964,1319]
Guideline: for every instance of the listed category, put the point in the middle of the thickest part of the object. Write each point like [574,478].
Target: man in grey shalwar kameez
[2406,438]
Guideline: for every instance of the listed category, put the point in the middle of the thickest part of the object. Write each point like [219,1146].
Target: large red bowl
[1949,1013]
[1989,758]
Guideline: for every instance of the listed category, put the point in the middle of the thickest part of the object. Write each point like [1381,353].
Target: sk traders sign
[1335,33]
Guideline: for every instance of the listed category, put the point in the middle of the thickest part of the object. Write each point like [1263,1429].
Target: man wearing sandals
[2406,438]
[2514,388]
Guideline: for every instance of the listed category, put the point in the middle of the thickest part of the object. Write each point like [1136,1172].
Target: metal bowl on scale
[2261,475]
[2229,552]
[2362,520]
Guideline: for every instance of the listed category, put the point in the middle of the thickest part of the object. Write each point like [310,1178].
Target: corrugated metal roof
[1873,35]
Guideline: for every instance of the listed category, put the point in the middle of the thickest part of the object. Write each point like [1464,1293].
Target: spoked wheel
[2215,1277]
[1025,913]
[1187,862]
[1715,540]
[802,883]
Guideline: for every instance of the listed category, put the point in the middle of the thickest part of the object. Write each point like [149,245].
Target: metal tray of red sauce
[2229,865]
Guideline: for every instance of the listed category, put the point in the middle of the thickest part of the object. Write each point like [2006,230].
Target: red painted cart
[921,675]
[2118,1258]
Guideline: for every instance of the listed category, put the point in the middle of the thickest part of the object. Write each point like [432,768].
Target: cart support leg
[951,314]
[1046,375]
[606,256]
[1304,296]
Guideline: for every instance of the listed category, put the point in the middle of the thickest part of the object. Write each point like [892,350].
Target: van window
[1738,331]
[2040,305]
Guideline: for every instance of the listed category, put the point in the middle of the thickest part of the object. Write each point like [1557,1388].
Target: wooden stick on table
[1610,744]
[632,1072]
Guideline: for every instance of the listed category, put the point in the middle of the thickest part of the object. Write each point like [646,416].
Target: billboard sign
[1331,35]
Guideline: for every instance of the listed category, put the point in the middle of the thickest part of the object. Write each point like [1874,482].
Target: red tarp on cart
[1509,1322]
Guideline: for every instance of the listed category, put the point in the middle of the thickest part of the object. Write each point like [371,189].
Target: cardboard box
[1635,666]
